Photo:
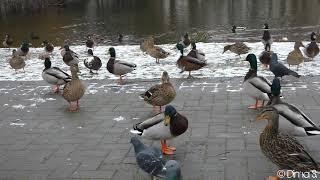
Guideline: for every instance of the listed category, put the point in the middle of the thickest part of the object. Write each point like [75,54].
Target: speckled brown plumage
[154,51]
[295,57]
[148,42]
[283,150]
[16,62]
[73,90]
[160,94]
[237,48]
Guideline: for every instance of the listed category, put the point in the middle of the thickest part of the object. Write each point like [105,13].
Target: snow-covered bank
[219,65]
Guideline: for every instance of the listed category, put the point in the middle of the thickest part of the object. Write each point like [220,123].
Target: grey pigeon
[278,69]
[150,160]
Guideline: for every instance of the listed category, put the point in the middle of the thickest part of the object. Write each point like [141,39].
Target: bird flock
[277,140]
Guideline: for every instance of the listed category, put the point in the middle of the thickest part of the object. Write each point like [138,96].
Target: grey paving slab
[39,139]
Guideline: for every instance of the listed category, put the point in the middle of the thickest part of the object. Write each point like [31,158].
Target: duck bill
[167,120]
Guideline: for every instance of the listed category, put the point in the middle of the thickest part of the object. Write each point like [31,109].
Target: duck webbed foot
[165,149]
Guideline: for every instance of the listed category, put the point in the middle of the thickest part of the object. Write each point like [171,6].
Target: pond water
[205,20]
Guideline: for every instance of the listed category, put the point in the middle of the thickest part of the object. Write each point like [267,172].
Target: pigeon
[151,161]
[278,69]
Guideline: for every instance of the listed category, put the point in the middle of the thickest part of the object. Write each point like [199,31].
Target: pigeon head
[253,61]
[137,144]
[276,87]
[173,171]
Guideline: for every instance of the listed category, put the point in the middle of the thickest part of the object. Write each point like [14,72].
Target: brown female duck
[237,48]
[16,62]
[282,149]
[295,57]
[73,90]
[160,94]
[156,51]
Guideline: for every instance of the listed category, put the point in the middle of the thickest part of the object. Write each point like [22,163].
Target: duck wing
[132,65]
[261,83]
[295,115]
[58,73]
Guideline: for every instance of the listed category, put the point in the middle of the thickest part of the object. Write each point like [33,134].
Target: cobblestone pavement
[39,139]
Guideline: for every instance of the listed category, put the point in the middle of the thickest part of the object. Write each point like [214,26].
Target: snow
[120,118]
[219,65]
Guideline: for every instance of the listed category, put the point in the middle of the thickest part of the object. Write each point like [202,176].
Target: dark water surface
[206,20]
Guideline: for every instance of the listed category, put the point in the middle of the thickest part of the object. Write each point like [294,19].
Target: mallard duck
[7,42]
[255,86]
[23,50]
[265,56]
[73,90]
[120,37]
[54,75]
[70,57]
[237,48]
[188,63]
[16,62]
[160,94]
[48,47]
[297,123]
[156,51]
[162,128]
[94,63]
[283,150]
[118,67]
[266,37]
[295,57]
[151,161]
[280,70]
[89,42]
[196,53]
[148,42]
[185,41]
[235,29]
[312,49]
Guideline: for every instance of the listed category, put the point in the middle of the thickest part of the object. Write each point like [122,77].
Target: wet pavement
[39,139]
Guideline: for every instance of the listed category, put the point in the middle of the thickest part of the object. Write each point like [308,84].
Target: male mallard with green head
[237,48]
[188,63]
[256,86]
[295,57]
[16,62]
[162,128]
[195,53]
[24,49]
[74,90]
[94,63]
[312,49]
[283,150]
[117,67]
[54,75]
[160,94]
[296,122]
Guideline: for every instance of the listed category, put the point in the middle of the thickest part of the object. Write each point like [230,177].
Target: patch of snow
[19,106]
[120,118]
[219,65]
